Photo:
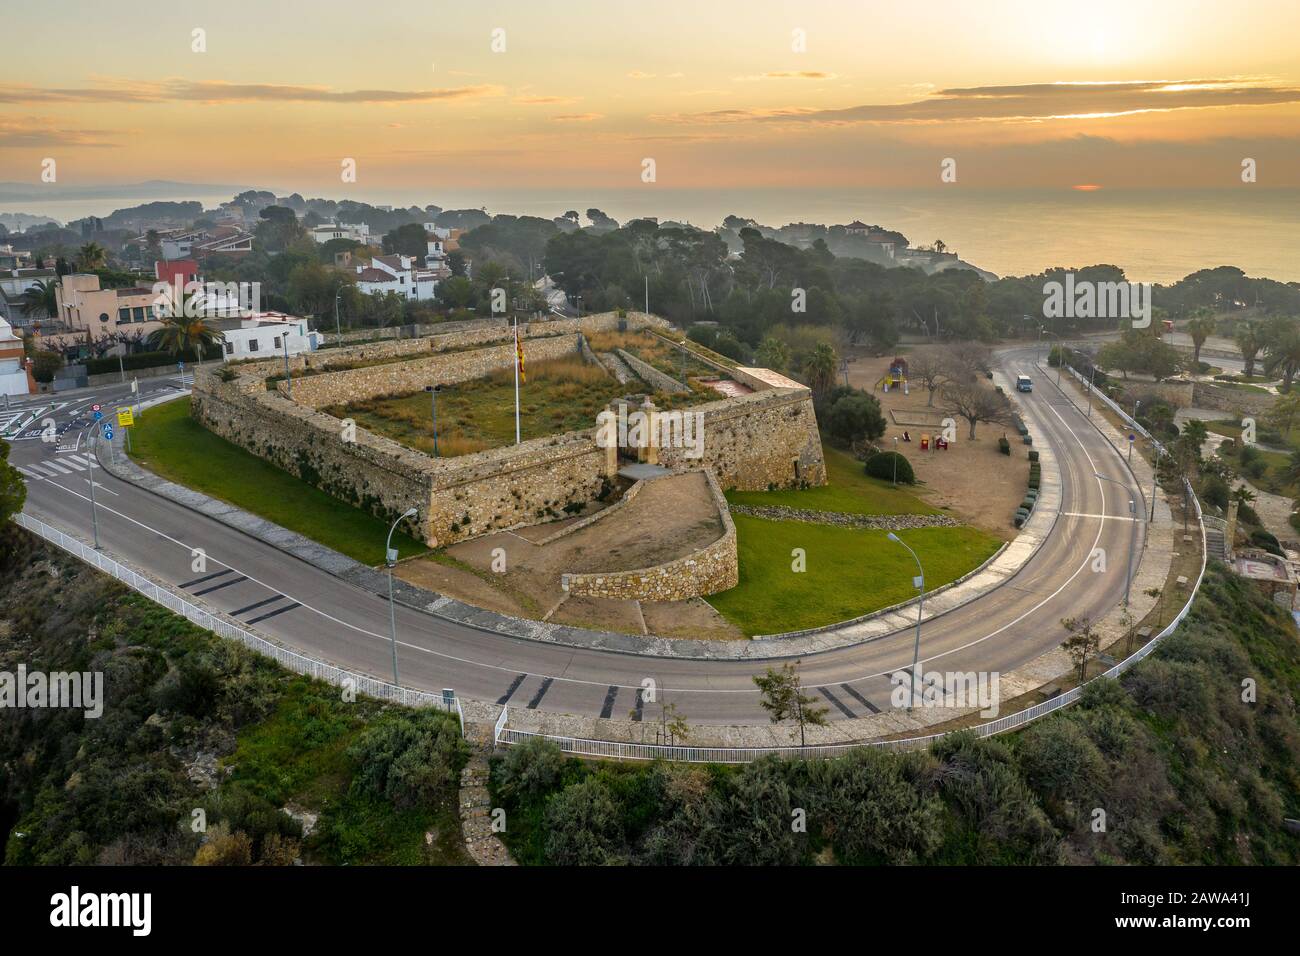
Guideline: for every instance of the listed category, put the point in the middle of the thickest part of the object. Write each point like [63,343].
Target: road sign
[98,414]
[108,432]
[1132,437]
[94,408]
[125,417]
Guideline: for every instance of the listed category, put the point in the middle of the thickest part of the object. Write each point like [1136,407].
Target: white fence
[298,663]
[619,750]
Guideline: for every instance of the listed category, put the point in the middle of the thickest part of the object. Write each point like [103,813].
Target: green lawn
[849,573]
[168,442]
[847,490]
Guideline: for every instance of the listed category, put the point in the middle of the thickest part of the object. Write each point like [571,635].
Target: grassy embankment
[171,444]
[849,571]
[194,723]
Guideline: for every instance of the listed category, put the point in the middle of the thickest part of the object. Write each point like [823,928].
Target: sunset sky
[1113,94]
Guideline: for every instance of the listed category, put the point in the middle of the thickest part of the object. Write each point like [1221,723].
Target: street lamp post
[390,558]
[338,330]
[433,391]
[284,341]
[919,582]
[94,509]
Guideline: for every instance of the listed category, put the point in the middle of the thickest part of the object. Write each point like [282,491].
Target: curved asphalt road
[306,608]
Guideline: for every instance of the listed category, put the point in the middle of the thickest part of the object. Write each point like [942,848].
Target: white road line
[67,463]
[55,466]
[1081,514]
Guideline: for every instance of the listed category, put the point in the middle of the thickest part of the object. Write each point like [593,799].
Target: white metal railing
[298,663]
[624,750]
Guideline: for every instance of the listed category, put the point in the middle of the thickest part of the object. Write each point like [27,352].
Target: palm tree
[1250,339]
[1243,496]
[1200,329]
[1282,352]
[92,256]
[181,333]
[773,354]
[819,368]
[41,299]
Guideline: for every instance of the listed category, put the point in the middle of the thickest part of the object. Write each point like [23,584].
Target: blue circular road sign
[108,433]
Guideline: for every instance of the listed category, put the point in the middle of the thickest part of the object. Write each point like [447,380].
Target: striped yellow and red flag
[519,353]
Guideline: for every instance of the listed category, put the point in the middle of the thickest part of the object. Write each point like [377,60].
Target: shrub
[856,418]
[1033,454]
[1215,491]
[45,365]
[1004,446]
[410,759]
[1266,540]
[147,360]
[530,770]
[584,826]
[881,465]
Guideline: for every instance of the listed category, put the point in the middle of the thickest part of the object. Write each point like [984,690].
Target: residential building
[11,258]
[266,334]
[399,274]
[13,283]
[15,372]
[85,308]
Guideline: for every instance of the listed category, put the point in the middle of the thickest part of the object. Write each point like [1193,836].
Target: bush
[1004,446]
[1033,455]
[410,759]
[584,827]
[1215,491]
[530,770]
[45,365]
[881,465]
[1266,540]
[856,418]
[147,360]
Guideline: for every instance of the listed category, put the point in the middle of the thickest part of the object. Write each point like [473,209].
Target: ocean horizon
[1154,235]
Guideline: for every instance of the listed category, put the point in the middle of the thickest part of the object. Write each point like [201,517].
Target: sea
[1155,235]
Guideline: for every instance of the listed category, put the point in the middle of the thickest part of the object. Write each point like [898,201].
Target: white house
[398,274]
[266,335]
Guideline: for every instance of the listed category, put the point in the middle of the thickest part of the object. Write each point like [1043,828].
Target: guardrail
[298,663]
[623,750]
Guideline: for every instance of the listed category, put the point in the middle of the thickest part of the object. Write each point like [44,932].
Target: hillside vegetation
[199,731]
[1171,760]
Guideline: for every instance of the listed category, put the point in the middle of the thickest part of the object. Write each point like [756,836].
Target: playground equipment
[896,377]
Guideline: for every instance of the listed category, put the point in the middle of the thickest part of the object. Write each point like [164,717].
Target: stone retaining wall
[401,378]
[651,375]
[1230,400]
[708,570]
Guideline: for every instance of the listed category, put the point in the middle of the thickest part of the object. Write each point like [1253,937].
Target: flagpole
[516,380]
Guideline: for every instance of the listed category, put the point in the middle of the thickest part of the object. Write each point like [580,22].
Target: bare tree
[976,402]
[929,369]
[967,361]
[1082,643]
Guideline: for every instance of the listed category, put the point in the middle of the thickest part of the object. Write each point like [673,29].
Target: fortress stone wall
[708,570]
[764,440]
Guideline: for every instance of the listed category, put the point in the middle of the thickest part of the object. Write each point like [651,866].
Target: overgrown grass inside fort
[559,395]
[848,572]
[170,443]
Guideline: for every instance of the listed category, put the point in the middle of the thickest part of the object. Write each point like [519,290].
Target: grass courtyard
[171,444]
[849,571]
[559,395]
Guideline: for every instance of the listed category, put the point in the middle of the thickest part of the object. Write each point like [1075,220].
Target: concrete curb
[995,572]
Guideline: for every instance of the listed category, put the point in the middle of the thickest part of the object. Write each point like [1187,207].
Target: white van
[1024,384]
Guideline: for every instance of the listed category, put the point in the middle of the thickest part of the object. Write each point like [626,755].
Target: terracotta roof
[375,275]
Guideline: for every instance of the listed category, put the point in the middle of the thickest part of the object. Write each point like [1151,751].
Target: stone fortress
[762,439]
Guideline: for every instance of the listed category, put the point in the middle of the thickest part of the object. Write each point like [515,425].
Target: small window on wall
[230,348]
[138,313]
[275,342]
[252,345]
[123,316]
[103,316]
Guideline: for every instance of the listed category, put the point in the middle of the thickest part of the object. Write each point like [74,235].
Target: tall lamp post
[433,391]
[338,331]
[919,583]
[390,558]
[1132,510]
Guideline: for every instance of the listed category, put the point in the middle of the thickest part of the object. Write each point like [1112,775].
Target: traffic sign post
[1131,439]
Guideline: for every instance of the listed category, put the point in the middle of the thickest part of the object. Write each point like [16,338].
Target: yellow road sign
[124,417]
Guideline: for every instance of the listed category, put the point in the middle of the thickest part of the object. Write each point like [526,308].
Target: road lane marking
[607,707]
[252,607]
[860,699]
[206,577]
[825,691]
[510,691]
[541,692]
[223,584]
[279,610]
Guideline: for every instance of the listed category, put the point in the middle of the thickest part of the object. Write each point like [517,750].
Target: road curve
[307,609]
